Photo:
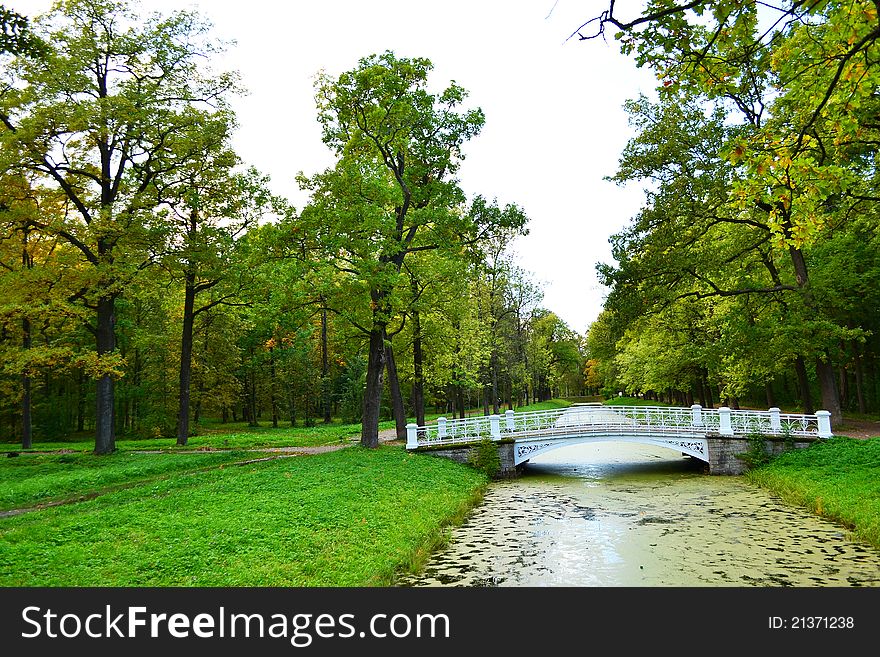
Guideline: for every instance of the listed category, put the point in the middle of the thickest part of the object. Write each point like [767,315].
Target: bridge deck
[648,422]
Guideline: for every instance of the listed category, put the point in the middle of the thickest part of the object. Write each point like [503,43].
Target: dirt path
[858,428]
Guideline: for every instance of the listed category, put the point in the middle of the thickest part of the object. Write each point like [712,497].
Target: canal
[623,514]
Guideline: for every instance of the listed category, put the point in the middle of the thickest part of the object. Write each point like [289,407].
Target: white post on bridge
[441,428]
[725,428]
[697,415]
[495,426]
[775,422]
[509,420]
[412,438]
[824,424]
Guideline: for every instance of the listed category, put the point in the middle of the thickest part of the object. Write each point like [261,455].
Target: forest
[751,275]
[152,281]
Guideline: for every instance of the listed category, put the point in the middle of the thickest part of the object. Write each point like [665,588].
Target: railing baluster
[622,419]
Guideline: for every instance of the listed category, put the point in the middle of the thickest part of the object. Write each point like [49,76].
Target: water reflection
[622,514]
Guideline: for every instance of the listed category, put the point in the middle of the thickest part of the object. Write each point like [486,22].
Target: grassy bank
[838,478]
[353,517]
[32,479]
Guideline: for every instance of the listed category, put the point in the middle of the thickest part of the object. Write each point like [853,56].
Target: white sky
[555,125]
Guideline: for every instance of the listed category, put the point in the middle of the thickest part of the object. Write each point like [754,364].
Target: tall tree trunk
[252,400]
[26,423]
[105,431]
[418,376]
[800,368]
[186,348]
[828,388]
[768,391]
[80,400]
[710,402]
[373,388]
[273,398]
[136,382]
[27,428]
[394,387]
[291,404]
[200,388]
[325,370]
[824,371]
[859,378]
[495,406]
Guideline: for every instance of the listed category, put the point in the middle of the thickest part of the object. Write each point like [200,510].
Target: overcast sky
[555,124]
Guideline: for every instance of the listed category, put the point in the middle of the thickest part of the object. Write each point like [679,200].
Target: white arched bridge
[714,436]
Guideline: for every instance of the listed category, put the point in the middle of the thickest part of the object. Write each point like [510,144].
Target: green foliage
[347,518]
[16,37]
[484,457]
[349,393]
[757,157]
[152,212]
[757,453]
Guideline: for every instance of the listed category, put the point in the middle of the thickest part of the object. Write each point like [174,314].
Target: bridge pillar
[697,415]
[441,427]
[495,426]
[775,422]
[510,422]
[724,428]
[412,440]
[824,424]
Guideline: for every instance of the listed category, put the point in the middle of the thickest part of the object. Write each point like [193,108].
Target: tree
[106,117]
[215,206]
[35,288]
[799,80]
[16,37]
[392,192]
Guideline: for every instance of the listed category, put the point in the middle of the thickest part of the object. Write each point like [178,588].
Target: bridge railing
[619,419]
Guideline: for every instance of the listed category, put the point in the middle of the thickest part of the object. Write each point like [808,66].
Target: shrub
[484,457]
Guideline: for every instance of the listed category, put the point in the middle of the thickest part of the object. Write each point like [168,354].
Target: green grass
[544,406]
[237,436]
[633,401]
[32,479]
[352,517]
[838,478]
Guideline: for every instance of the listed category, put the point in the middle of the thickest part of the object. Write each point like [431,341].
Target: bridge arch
[525,450]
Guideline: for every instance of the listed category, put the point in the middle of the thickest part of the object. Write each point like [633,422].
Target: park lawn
[32,479]
[544,406]
[238,436]
[633,401]
[352,517]
[838,478]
